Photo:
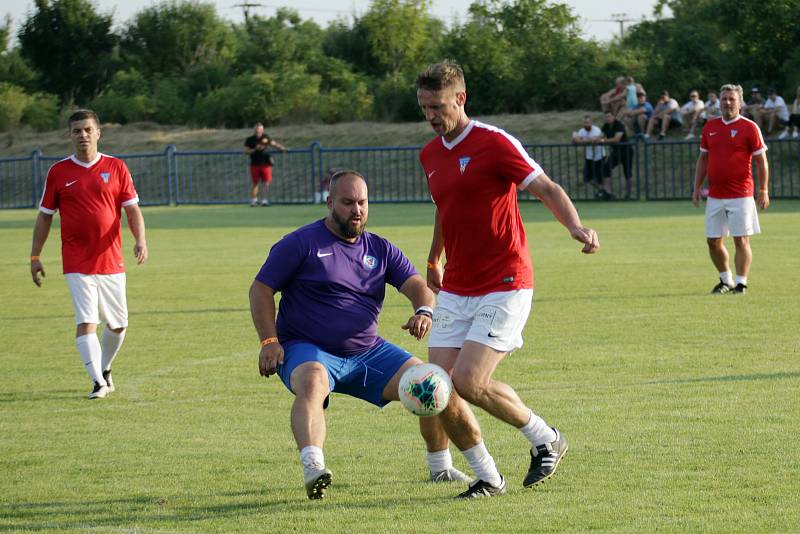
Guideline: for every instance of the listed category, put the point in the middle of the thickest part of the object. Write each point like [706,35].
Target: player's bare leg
[310,386]
[472,378]
[742,260]
[265,194]
[719,257]
[254,195]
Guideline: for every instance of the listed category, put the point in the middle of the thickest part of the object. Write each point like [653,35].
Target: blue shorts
[363,376]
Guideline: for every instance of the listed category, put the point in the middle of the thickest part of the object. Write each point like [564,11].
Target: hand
[587,236]
[140,251]
[418,326]
[696,197]
[434,277]
[763,199]
[36,268]
[270,357]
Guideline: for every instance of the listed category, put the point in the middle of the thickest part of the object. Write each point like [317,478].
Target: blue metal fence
[661,171]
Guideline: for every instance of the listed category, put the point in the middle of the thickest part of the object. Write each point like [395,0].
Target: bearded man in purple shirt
[332,276]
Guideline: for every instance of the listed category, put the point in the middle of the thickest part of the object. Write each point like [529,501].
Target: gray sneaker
[481,488]
[317,482]
[545,459]
[450,475]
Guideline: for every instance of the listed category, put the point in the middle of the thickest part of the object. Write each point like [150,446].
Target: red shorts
[261,173]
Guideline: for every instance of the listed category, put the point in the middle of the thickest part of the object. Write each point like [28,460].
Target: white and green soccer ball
[425,389]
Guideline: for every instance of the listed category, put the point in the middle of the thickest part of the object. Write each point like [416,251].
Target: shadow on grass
[137,312]
[153,511]
[729,378]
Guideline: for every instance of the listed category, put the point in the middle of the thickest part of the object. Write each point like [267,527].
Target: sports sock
[726,277]
[741,280]
[537,431]
[111,344]
[91,354]
[482,463]
[440,461]
[312,459]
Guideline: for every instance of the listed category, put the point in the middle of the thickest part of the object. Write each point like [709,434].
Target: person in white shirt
[712,110]
[593,167]
[775,111]
[794,118]
[691,112]
[666,115]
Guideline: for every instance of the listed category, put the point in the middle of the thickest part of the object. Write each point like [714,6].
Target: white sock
[440,461]
[111,344]
[741,280]
[537,431]
[312,459]
[726,277]
[91,354]
[482,464]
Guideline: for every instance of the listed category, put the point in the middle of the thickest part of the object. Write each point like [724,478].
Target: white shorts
[99,292]
[495,320]
[731,216]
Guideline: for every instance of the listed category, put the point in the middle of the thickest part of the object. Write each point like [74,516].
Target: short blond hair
[735,89]
[446,74]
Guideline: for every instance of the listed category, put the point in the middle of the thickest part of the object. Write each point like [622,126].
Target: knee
[117,330]
[310,381]
[468,388]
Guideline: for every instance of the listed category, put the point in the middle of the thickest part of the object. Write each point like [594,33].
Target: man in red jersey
[485,295]
[727,148]
[89,189]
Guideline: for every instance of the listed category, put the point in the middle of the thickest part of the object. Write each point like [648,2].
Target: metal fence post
[169,154]
[316,167]
[36,176]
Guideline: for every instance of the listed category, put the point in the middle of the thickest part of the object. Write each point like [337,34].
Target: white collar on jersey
[76,161]
[451,144]
[736,118]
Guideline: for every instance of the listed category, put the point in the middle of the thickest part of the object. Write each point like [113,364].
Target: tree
[175,38]
[70,46]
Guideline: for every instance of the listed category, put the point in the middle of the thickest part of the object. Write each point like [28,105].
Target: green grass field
[682,409]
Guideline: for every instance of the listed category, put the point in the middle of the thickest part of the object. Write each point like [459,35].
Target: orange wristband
[34,258]
[269,340]
[432,265]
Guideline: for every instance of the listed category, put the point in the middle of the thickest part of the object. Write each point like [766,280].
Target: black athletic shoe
[109,380]
[722,288]
[545,459]
[740,289]
[481,488]
[98,392]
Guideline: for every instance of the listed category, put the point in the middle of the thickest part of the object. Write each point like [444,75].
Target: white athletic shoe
[795,134]
[265,202]
[99,392]
[450,475]
[109,381]
[317,481]
[253,203]
[689,136]
[785,134]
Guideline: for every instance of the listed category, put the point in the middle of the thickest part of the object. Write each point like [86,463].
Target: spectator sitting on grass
[794,118]
[665,116]
[712,110]
[753,108]
[775,111]
[637,118]
[691,112]
[614,99]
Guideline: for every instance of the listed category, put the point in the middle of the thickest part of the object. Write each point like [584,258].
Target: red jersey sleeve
[49,202]
[757,145]
[127,193]
[513,161]
[704,139]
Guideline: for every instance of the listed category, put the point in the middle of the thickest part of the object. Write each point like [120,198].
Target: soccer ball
[425,389]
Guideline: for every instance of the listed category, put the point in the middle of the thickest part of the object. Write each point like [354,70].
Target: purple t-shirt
[332,290]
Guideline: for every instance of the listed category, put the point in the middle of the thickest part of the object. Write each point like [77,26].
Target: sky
[595,14]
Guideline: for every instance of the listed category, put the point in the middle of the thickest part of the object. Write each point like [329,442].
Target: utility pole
[246,9]
[621,18]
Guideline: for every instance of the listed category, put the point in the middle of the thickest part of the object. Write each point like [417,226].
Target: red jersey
[472,181]
[90,197]
[731,147]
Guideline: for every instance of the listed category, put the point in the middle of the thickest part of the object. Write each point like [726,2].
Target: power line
[620,18]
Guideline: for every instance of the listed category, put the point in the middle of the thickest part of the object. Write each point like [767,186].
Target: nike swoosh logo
[492,335]
[322,255]
[431,174]
[712,133]
[70,183]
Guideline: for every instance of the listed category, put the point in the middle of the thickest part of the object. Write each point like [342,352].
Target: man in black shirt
[261,162]
[621,151]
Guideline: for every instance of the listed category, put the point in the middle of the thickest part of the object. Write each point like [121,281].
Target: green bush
[42,113]
[13,101]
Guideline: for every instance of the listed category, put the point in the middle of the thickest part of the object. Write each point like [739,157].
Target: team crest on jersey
[105,176]
[734,132]
[462,163]
[370,261]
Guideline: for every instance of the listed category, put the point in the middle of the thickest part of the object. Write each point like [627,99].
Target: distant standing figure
[593,172]
[621,151]
[90,190]
[794,118]
[727,149]
[261,162]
